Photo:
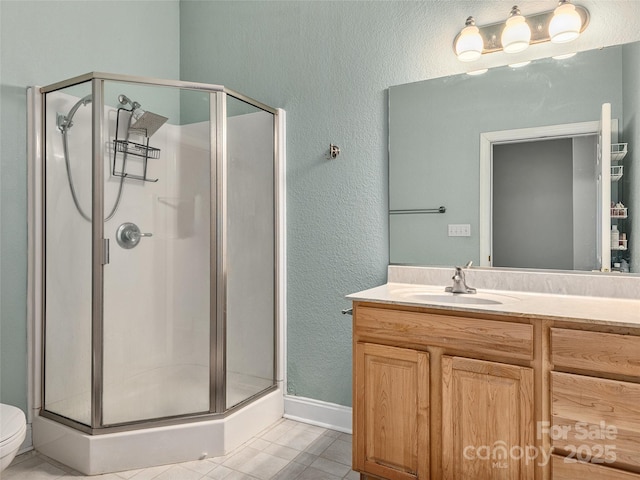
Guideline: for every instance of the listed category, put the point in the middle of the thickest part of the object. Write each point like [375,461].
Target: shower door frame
[218,253]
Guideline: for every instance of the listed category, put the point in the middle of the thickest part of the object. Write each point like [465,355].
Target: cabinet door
[488,426]
[391,412]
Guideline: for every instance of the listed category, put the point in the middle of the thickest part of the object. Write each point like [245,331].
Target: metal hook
[334,151]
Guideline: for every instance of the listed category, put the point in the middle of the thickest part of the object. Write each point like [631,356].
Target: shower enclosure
[159,213]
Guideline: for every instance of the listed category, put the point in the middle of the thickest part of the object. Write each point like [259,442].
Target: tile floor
[287,450]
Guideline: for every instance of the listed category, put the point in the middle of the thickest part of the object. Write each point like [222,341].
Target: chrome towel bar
[418,210]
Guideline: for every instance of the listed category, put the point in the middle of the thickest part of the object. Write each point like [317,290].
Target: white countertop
[596,310]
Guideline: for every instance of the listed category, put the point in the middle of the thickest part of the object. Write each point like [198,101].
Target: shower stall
[156,269]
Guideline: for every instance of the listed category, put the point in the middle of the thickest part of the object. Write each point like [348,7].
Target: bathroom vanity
[496,385]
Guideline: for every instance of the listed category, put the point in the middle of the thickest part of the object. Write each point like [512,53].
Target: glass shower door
[156,303]
[67,252]
[250,251]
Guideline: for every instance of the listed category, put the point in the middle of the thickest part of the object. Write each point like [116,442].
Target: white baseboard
[316,412]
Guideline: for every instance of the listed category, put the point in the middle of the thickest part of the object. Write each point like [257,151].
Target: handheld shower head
[124,100]
[65,122]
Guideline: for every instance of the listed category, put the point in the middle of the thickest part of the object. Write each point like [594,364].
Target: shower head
[124,100]
[146,122]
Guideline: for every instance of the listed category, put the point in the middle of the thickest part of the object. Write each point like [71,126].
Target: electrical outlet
[460,230]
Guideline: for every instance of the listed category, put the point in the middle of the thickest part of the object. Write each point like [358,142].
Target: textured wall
[44,42]
[329,63]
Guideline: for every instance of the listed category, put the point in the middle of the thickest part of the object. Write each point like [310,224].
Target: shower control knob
[128,235]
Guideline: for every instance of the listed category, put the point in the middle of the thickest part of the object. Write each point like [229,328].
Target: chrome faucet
[459,282]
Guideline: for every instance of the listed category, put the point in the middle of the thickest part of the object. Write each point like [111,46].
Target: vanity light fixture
[478,72]
[516,34]
[469,43]
[566,23]
[561,25]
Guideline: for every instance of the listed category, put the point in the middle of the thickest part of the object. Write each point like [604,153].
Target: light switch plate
[460,230]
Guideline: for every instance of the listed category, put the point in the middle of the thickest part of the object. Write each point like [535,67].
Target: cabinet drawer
[577,470]
[595,351]
[596,419]
[468,335]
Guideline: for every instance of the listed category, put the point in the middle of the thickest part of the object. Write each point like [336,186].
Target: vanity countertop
[596,310]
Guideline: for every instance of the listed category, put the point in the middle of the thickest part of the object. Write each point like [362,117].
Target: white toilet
[13,428]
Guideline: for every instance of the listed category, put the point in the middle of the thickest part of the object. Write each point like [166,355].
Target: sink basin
[437,295]
[469,299]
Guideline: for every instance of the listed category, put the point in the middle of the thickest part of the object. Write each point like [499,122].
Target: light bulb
[565,24]
[469,43]
[516,34]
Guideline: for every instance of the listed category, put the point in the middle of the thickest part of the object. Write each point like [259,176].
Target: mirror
[435,130]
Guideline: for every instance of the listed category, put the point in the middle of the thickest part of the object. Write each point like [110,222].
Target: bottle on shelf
[615,237]
[623,241]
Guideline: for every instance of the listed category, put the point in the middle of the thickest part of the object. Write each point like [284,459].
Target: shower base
[159,393]
[147,447]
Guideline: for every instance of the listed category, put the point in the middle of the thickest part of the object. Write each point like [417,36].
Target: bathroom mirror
[436,131]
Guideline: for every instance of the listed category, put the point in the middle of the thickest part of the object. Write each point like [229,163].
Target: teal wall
[328,64]
[41,43]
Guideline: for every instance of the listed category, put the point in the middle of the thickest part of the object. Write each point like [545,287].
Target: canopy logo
[500,454]
[595,449]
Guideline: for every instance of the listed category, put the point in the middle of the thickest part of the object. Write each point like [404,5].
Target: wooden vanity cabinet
[455,395]
[436,397]
[595,404]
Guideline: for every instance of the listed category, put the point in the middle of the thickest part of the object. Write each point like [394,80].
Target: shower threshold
[148,447]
